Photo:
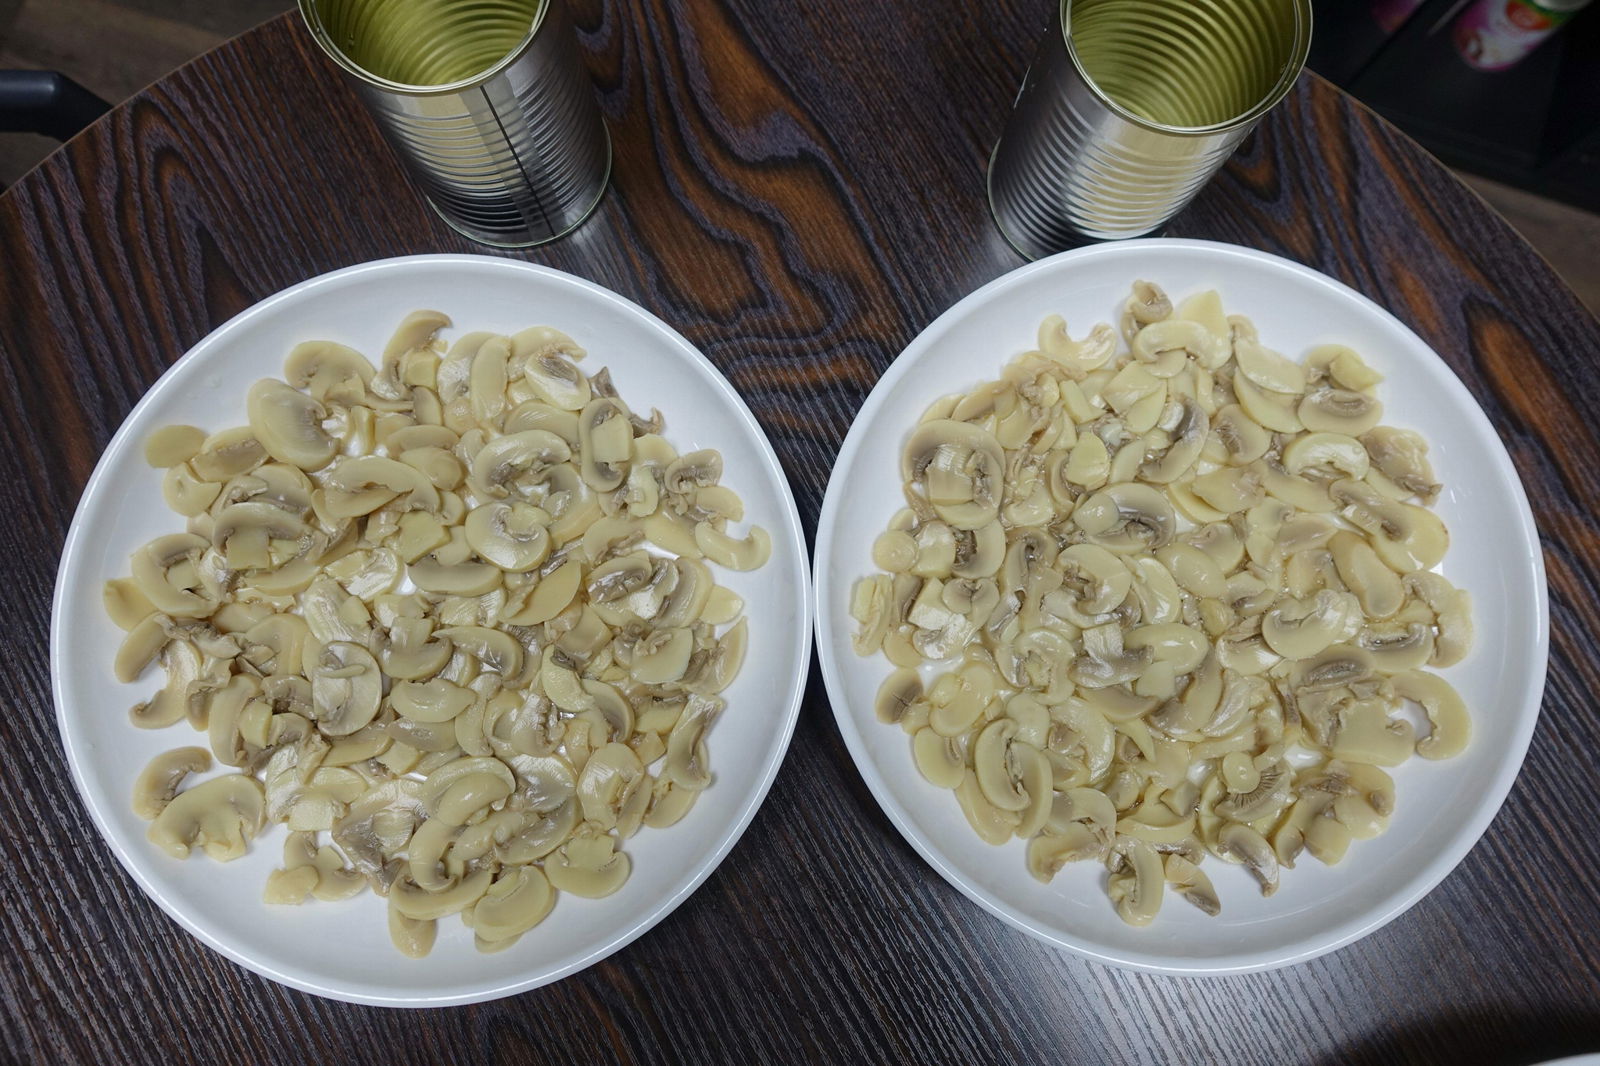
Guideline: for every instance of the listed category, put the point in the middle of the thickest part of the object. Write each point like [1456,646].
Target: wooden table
[799,189]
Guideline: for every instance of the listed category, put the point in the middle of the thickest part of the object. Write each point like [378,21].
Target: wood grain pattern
[800,190]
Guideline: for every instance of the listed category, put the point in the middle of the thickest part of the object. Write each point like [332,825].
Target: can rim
[319,33]
[1299,49]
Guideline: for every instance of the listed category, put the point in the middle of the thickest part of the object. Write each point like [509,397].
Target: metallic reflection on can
[513,151]
[1128,109]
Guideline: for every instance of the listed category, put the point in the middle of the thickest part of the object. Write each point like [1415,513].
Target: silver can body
[1073,166]
[515,157]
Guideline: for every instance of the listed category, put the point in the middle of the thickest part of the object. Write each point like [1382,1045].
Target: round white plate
[1443,808]
[342,950]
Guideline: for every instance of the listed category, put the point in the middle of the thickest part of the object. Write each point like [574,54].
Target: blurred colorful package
[1499,34]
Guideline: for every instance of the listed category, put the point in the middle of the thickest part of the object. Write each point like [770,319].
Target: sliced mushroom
[963,468]
[1127,518]
[588,865]
[1405,536]
[605,443]
[1243,845]
[288,424]
[158,783]
[329,371]
[748,553]
[346,688]
[1447,714]
[1137,882]
[519,900]
[221,815]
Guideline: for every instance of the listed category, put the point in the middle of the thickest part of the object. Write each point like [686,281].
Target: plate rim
[1152,961]
[77,536]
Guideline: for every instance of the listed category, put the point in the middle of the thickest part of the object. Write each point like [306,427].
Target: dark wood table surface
[799,189]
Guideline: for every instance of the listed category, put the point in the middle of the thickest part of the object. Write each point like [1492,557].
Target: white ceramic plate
[1443,807]
[342,950]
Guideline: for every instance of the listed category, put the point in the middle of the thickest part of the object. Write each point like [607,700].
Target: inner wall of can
[1188,65]
[1129,108]
[511,153]
[422,44]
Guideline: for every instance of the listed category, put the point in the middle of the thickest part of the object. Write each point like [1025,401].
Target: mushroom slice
[288,423]
[993,825]
[1191,883]
[1137,881]
[588,865]
[735,554]
[158,783]
[899,691]
[1188,440]
[605,442]
[1049,852]
[1452,615]
[1331,410]
[221,815]
[1401,458]
[609,784]
[460,788]
[172,446]
[431,701]
[1266,409]
[419,904]
[552,378]
[517,458]
[687,763]
[1241,439]
[518,901]
[1447,714]
[329,371]
[461,579]
[999,767]
[1299,629]
[185,492]
[346,688]
[942,760]
[1326,456]
[360,485]
[963,467]
[1398,649]
[1405,536]
[1127,518]
[226,454]
[166,572]
[1365,733]
[1376,586]
[1244,846]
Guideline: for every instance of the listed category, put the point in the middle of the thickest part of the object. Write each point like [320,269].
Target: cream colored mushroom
[962,466]
[221,816]
[519,900]
[329,371]
[588,865]
[158,783]
[1137,882]
[346,688]
[1126,518]
[288,424]
[1299,629]
[1447,714]
[749,553]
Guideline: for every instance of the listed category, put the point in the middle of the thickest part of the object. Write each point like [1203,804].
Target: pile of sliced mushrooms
[1154,602]
[449,619]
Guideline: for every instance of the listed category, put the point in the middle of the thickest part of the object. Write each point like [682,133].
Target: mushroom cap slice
[1127,518]
[329,371]
[346,688]
[518,901]
[221,815]
[588,865]
[288,423]
[158,783]
[964,469]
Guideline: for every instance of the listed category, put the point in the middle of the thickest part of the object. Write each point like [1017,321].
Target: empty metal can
[1128,109]
[484,101]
